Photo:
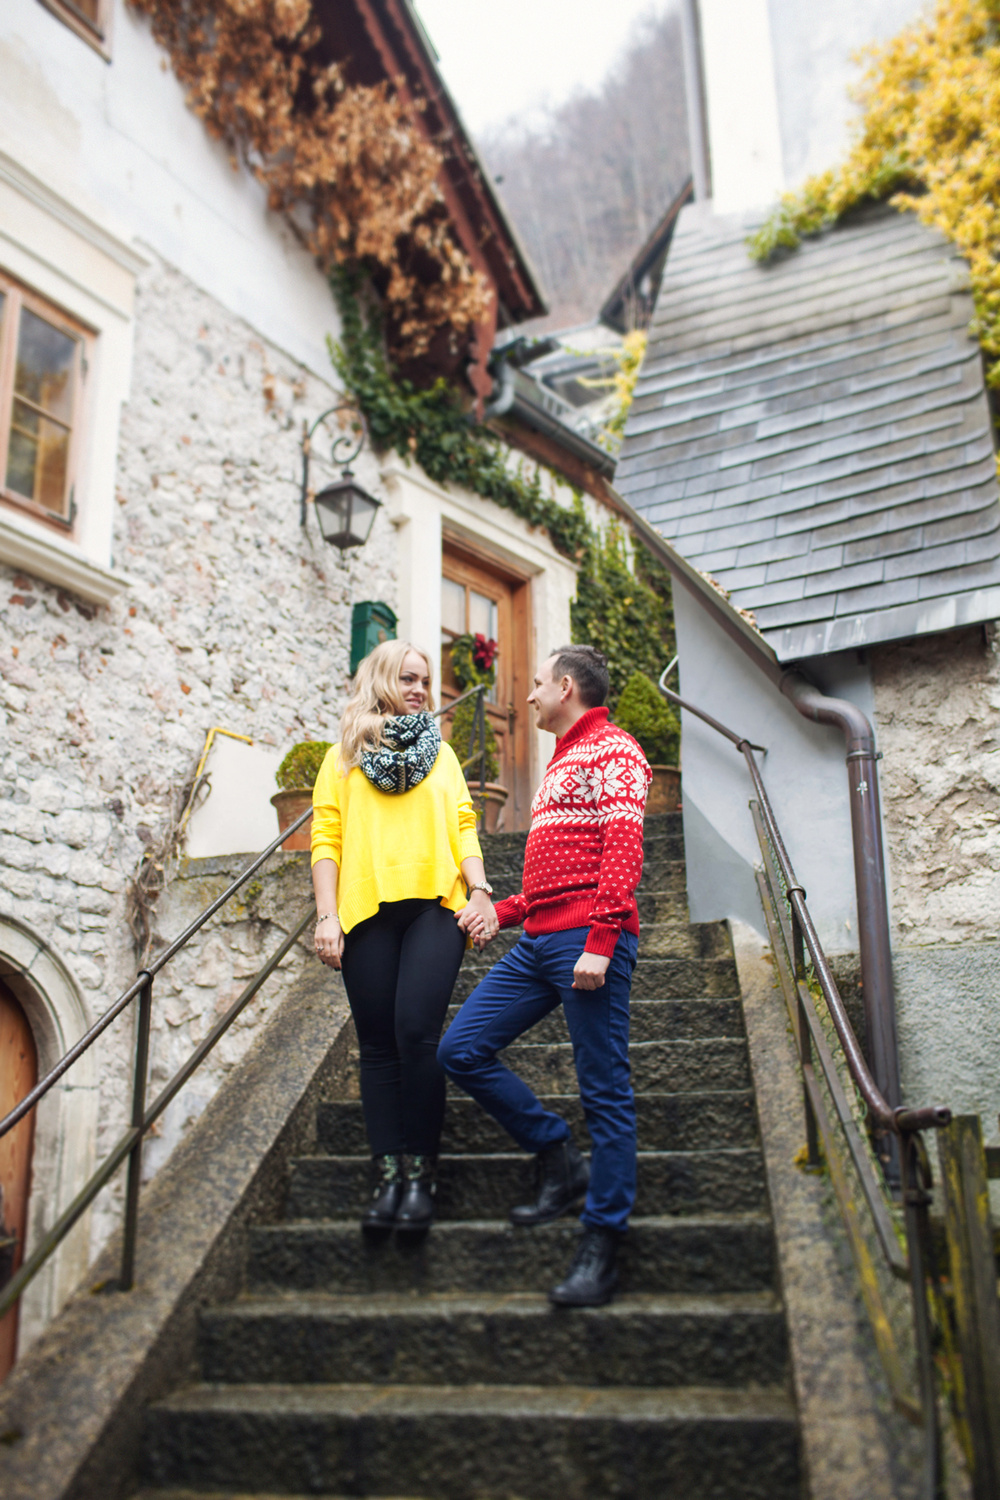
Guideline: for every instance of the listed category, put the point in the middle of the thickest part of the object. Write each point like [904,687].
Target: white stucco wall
[778,75]
[119,140]
[804,772]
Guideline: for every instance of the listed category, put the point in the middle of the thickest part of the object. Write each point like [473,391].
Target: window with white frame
[43,362]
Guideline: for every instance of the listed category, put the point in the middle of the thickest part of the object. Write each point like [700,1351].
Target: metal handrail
[799,938]
[478,733]
[129,1145]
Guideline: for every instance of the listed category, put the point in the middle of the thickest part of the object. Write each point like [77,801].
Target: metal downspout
[869,873]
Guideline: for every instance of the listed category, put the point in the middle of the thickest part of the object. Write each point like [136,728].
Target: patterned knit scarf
[413,744]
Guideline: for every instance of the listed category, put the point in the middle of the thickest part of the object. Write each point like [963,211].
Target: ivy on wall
[623,610]
[432,426]
[624,613]
[929,141]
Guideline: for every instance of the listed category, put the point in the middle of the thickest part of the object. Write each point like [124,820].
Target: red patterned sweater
[584,854]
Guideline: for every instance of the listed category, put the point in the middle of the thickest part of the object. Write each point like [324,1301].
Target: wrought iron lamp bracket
[352,444]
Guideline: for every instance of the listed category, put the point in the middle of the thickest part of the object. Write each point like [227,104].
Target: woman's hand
[479,919]
[328,941]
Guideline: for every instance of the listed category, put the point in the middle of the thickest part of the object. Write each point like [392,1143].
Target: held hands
[479,919]
[589,971]
[329,942]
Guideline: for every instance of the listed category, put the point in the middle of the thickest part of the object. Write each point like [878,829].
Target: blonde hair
[376,697]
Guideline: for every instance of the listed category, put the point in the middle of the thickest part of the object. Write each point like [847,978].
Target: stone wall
[937,701]
[234,618]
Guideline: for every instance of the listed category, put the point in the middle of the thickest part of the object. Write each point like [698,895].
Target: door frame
[518,578]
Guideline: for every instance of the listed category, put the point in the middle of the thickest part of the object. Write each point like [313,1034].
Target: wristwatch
[481,885]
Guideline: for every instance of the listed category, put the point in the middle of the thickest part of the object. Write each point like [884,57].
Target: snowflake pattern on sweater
[583,858]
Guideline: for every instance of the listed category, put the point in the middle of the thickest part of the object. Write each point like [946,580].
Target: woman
[394,847]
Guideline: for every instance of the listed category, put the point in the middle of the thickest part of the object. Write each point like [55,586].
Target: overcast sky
[504,57]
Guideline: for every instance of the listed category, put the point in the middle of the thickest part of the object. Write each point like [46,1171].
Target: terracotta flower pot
[495,797]
[665,790]
[289,806]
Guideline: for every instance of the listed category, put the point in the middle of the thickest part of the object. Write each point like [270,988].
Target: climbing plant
[433,426]
[347,165]
[624,613]
[929,141]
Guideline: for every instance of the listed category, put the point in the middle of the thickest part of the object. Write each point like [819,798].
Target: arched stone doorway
[18,1076]
[65,1123]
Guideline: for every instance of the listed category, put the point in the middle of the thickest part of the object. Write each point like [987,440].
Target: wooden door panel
[18,1075]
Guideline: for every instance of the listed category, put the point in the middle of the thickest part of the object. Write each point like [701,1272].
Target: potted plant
[473,660]
[645,714]
[296,776]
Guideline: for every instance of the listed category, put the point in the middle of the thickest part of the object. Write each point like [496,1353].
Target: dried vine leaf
[348,167]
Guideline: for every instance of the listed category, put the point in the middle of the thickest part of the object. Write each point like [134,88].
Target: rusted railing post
[805,1049]
[134,1181]
[974,1287]
[916,1205]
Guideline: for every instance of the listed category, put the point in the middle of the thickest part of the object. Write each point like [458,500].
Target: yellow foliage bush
[929,141]
[351,171]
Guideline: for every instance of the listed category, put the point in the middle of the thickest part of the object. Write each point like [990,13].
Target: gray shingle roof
[816,433]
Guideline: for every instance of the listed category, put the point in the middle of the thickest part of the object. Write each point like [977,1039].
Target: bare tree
[586,185]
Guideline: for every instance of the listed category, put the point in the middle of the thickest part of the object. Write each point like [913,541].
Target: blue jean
[528,983]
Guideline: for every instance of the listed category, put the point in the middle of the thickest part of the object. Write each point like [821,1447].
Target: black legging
[399,970]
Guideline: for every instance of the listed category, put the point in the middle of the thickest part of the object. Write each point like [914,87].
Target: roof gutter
[878,990]
[518,396]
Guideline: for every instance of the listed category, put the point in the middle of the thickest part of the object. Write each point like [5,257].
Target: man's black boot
[416,1210]
[562,1181]
[592,1277]
[388,1193]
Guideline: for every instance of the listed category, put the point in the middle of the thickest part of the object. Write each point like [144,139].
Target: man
[581,867]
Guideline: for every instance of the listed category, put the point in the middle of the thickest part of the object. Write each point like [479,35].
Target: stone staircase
[439,1369]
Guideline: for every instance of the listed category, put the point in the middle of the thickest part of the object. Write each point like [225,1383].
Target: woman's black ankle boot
[390,1185]
[416,1211]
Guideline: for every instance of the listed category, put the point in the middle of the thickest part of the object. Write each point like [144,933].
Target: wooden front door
[480,598]
[18,1075]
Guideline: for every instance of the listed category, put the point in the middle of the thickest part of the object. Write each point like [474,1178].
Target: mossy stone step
[651,1021]
[491,1442]
[666,1122]
[476,1187]
[487,1339]
[705,1253]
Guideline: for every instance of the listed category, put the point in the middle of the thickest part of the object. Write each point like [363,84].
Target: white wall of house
[103,167]
[778,75]
[804,771]
[119,141]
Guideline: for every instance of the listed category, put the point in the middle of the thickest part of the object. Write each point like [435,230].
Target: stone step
[655,977]
[651,1021]
[666,1122]
[480,1187]
[658,978]
[242,1494]
[663,1067]
[489,1442]
[640,1341]
[684,1254]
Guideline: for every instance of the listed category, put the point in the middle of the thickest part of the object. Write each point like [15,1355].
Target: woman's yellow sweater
[393,846]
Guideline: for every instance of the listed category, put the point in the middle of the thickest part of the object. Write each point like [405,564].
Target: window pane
[37,459]
[453,606]
[482,615]
[44,371]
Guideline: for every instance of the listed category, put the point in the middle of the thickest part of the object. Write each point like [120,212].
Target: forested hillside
[586,183]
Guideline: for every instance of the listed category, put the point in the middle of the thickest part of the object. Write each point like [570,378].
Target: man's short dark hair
[588,668]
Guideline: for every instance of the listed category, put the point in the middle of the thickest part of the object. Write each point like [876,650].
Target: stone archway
[66,1120]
